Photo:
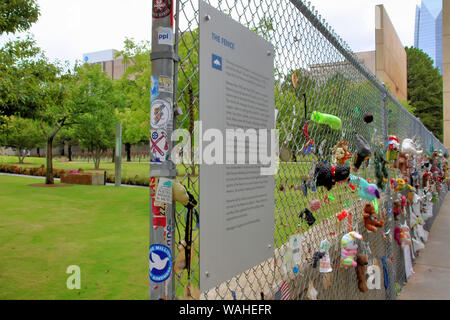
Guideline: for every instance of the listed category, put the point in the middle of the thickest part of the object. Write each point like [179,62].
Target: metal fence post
[118,156]
[389,224]
[161,127]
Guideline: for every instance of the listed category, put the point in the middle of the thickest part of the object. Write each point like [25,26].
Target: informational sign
[236,200]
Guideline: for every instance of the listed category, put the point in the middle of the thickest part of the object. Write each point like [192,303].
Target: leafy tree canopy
[17,15]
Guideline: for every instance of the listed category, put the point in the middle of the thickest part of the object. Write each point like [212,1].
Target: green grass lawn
[103,230]
[129,169]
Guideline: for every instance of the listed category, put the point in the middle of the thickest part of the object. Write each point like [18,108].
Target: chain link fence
[315,70]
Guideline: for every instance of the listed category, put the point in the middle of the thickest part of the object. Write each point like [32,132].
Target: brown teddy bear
[362,262]
[401,163]
[371,221]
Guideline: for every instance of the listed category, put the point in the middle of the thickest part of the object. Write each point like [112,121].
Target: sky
[66,28]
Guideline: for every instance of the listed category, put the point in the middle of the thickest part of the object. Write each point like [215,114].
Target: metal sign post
[161,250]
[118,156]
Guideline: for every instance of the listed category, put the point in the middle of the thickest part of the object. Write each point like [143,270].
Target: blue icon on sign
[160,263]
[217,62]
[86,58]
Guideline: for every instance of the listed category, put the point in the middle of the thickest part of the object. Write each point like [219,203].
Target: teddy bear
[349,249]
[401,163]
[371,221]
[362,262]
[327,175]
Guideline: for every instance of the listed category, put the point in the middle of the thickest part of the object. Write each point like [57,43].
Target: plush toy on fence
[362,262]
[393,146]
[327,175]
[401,163]
[314,205]
[371,221]
[402,235]
[325,263]
[409,146]
[381,172]
[334,122]
[397,208]
[349,249]
[368,191]
[340,153]
[308,216]
[363,150]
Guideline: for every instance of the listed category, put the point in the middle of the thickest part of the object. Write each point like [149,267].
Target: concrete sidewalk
[432,268]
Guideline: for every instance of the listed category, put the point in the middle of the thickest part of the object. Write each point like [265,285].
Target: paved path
[432,268]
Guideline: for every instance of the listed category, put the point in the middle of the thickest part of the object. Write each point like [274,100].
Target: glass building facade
[428,30]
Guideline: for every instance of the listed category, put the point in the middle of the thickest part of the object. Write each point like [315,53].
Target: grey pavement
[431,280]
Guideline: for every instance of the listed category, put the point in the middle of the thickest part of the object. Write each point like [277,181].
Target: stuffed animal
[371,221]
[362,262]
[425,179]
[368,118]
[314,205]
[381,172]
[334,122]
[363,150]
[349,249]
[327,175]
[308,216]
[401,234]
[368,191]
[397,208]
[393,146]
[409,146]
[399,184]
[340,153]
[401,163]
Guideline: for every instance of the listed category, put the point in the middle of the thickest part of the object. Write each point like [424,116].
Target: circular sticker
[160,113]
[161,8]
[160,263]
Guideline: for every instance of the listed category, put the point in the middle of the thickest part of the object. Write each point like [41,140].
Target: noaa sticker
[161,8]
[160,263]
[165,84]
[160,113]
[154,88]
[165,36]
[158,145]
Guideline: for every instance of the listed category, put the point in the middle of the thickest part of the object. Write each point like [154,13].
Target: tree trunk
[21,157]
[113,154]
[128,150]
[38,152]
[69,151]
[49,174]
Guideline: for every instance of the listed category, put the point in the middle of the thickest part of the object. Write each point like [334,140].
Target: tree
[17,15]
[96,93]
[22,134]
[425,90]
[136,85]
[24,71]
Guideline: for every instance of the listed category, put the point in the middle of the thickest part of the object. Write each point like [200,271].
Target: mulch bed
[50,185]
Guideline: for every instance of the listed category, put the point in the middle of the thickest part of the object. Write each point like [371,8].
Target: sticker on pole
[160,113]
[164,191]
[154,88]
[165,84]
[159,146]
[161,8]
[160,263]
[165,36]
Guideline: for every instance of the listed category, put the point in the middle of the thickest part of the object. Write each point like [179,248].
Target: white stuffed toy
[409,146]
